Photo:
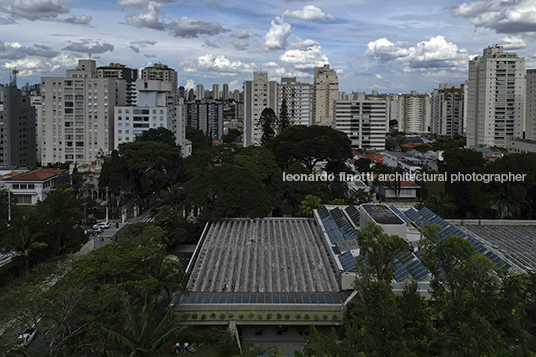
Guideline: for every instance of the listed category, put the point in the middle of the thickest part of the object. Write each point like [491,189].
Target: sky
[392,46]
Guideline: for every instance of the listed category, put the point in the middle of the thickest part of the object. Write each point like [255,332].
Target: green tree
[310,204]
[23,239]
[159,135]
[284,120]
[227,191]
[268,125]
[144,332]
[380,250]
[310,145]
[199,140]
[441,204]
[58,214]
[232,136]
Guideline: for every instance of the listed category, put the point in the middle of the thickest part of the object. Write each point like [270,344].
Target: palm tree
[23,240]
[145,331]
[441,204]
[60,210]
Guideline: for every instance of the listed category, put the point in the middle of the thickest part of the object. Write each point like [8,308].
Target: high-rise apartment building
[448,110]
[326,92]
[259,94]
[77,114]
[299,98]
[364,119]
[17,129]
[199,91]
[496,98]
[530,108]
[215,91]
[120,71]
[205,115]
[225,91]
[161,72]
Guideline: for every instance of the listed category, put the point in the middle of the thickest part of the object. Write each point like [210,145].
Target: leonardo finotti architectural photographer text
[420,177]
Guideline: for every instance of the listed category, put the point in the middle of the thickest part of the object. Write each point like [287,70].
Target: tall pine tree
[284,120]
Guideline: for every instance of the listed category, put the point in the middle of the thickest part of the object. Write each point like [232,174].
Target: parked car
[102,225]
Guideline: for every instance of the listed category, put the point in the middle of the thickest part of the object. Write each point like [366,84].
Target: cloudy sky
[390,45]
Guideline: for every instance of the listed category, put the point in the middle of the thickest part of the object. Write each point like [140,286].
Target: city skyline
[396,47]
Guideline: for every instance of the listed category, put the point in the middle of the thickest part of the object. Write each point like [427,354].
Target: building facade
[447,110]
[77,114]
[120,71]
[326,89]
[496,98]
[530,108]
[259,94]
[17,129]
[365,121]
[205,115]
[299,98]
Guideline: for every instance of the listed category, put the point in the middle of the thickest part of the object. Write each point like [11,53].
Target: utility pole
[106,204]
[8,205]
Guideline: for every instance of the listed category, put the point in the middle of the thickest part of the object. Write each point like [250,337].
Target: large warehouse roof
[263,255]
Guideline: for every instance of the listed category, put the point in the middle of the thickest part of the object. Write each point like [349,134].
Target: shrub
[241,316]
[287,316]
[316,317]
[231,315]
[307,316]
[279,316]
[325,317]
[251,315]
[269,316]
[204,317]
[185,316]
[213,315]
[194,316]
[222,316]
[298,315]
[334,317]
[259,316]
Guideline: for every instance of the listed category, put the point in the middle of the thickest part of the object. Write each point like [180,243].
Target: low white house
[33,186]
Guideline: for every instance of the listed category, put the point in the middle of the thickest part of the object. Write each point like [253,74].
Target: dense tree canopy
[310,145]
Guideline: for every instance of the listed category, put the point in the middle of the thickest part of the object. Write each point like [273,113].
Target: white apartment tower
[496,98]
[161,72]
[364,119]
[530,110]
[299,98]
[77,115]
[415,112]
[259,94]
[448,110]
[215,91]
[326,92]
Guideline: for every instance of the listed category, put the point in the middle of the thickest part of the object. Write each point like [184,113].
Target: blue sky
[391,45]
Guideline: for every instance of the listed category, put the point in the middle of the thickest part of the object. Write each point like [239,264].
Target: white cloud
[15,51]
[188,67]
[307,58]
[192,28]
[234,85]
[222,65]
[190,84]
[82,20]
[35,9]
[143,43]
[148,16]
[512,43]
[85,47]
[277,36]
[244,34]
[378,76]
[33,66]
[435,53]
[309,13]
[502,16]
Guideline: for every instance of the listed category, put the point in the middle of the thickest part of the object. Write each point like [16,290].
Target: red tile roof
[37,175]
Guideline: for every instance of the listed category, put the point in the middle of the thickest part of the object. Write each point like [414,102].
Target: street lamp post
[8,204]
[106,204]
